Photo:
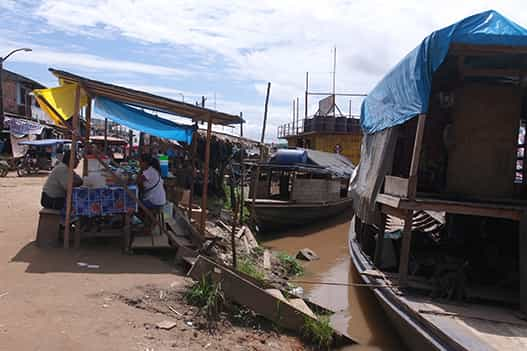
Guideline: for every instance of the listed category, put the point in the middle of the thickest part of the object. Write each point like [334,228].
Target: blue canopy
[404,92]
[45,142]
[145,122]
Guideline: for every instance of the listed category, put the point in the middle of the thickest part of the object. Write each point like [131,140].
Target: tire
[21,171]
[3,172]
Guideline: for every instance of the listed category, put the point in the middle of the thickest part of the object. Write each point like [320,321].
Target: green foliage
[247,266]
[291,264]
[318,332]
[206,295]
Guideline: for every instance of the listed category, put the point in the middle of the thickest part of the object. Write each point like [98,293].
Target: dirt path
[48,302]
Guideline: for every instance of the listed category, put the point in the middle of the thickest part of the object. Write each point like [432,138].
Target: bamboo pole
[205,179]
[257,175]
[71,166]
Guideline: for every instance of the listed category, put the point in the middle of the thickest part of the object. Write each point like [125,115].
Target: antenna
[334,70]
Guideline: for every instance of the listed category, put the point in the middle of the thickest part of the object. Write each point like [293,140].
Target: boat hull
[415,334]
[273,215]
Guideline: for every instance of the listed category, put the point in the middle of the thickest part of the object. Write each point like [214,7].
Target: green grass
[206,295]
[318,332]
[247,266]
[291,264]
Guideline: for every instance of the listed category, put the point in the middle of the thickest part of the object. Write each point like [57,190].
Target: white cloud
[268,40]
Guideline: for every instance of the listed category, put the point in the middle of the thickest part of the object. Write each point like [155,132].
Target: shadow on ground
[103,252]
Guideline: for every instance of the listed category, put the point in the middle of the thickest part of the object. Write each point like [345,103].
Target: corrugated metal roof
[338,164]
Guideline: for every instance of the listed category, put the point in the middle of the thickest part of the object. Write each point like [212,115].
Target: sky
[227,50]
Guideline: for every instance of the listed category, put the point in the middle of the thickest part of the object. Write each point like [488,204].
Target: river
[357,308]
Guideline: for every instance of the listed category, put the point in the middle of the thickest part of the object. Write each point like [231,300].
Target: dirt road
[48,302]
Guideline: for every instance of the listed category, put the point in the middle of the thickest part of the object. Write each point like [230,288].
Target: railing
[328,124]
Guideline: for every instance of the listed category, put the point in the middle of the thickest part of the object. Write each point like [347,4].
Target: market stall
[126,106]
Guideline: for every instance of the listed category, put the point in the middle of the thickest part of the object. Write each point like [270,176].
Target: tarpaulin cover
[23,126]
[404,92]
[45,142]
[59,102]
[145,122]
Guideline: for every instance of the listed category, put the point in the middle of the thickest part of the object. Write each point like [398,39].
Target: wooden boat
[440,195]
[300,186]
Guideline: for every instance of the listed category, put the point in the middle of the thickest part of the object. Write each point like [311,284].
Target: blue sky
[227,48]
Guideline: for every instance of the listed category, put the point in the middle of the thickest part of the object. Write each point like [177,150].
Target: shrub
[291,264]
[318,332]
[206,295]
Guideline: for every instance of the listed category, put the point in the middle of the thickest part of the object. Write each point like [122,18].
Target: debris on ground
[166,325]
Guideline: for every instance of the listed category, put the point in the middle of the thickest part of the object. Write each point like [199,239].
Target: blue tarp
[145,122]
[404,92]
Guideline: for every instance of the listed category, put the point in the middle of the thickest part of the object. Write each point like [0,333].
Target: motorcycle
[32,162]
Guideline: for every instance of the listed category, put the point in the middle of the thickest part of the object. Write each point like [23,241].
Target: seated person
[55,188]
[150,182]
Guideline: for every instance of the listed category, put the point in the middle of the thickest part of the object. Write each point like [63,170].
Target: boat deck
[473,327]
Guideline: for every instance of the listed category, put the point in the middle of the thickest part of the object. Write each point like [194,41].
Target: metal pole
[307,92]
[297,114]
[2,59]
[294,114]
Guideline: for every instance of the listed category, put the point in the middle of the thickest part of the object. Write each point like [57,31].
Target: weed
[291,264]
[245,265]
[206,295]
[318,332]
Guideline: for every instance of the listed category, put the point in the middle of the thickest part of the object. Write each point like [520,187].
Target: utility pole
[2,59]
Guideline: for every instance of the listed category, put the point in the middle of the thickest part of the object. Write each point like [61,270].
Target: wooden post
[523,261]
[379,245]
[257,175]
[242,170]
[405,250]
[416,155]
[193,160]
[130,143]
[205,179]
[106,136]
[71,166]
[87,140]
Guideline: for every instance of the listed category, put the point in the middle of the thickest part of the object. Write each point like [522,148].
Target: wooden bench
[48,227]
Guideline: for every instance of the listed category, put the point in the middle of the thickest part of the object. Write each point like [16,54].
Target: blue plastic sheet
[404,92]
[145,122]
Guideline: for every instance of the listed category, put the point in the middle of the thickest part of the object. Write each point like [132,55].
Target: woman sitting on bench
[152,190]
[54,190]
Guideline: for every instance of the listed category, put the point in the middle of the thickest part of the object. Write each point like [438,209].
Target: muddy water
[357,308]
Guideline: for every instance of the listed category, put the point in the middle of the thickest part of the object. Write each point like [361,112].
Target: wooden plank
[193,157]
[523,261]
[380,241]
[483,50]
[71,166]
[389,203]
[270,304]
[396,186]
[405,250]
[203,218]
[416,156]
[388,200]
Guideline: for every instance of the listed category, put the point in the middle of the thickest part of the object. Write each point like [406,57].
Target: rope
[341,284]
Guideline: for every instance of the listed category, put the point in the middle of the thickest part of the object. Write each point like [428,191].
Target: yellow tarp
[59,102]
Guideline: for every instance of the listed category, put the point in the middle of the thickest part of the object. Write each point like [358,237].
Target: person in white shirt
[150,183]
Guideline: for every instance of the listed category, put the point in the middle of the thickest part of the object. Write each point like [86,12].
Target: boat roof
[312,161]
[404,92]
